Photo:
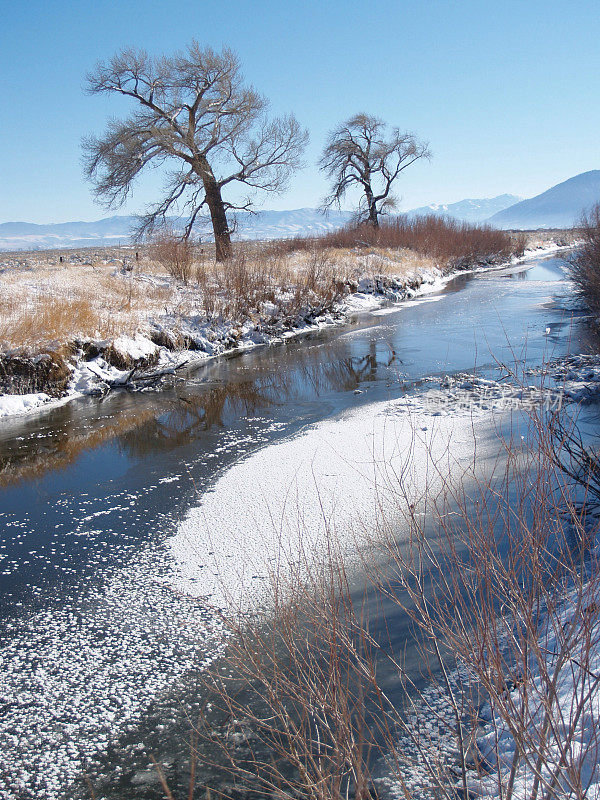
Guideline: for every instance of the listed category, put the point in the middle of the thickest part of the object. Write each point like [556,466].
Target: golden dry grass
[44,302]
[104,293]
[91,294]
[46,321]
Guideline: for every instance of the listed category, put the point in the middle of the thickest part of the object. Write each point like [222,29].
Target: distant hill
[558,207]
[468,210]
[118,229]
[282,224]
[30,236]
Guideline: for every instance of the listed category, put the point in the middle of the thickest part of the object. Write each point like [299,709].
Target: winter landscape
[299,386]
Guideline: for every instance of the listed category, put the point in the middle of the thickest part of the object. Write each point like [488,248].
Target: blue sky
[507,93]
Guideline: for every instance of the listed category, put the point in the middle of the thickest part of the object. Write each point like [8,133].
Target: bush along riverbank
[585,261]
[98,323]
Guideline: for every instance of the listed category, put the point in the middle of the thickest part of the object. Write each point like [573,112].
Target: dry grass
[54,297]
[176,255]
[90,294]
[49,321]
[106,293]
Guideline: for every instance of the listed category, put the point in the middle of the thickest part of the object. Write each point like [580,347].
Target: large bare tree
[359,153]
[195,113]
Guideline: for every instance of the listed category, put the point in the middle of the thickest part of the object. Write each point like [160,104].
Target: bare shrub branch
[175,254]
[584,264]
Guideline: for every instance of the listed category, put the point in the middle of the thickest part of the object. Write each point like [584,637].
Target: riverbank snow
[569,743]
[216,338]
[13,404]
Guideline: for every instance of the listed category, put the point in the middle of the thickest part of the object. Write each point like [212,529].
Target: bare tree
[359,153]
[194,112]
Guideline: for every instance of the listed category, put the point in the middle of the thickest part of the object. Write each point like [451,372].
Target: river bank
[160,346]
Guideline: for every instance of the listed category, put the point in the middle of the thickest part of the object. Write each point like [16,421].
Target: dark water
[86,486]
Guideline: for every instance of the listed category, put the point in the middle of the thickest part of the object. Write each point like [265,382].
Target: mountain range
[560,206]
[117,230]
[468,210]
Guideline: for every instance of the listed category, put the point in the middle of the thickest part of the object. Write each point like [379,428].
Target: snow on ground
[329,486]
[576,740]
[136,347]
[431,726]
[80,676]
[13,404]
[580,377]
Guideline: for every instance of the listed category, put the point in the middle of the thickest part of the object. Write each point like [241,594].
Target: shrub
[175,254]
[584,265]
[452,243]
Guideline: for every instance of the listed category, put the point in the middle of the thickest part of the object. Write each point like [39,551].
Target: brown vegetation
[50,321]
[175,254]
[584,265]
[450,243]
[52,300]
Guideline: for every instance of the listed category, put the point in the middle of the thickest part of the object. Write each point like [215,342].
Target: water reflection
[211,398]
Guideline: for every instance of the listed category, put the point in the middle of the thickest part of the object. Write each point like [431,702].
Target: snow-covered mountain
[559,207]
[31,236]
[282,224]
[117,230]
[468,210]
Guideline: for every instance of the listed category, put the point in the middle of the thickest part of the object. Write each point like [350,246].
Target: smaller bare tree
[360,154]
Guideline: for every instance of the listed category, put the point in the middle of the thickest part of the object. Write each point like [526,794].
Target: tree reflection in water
[141,424]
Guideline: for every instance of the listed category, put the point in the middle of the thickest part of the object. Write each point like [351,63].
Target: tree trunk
[219,221]
[372,206]
[373,214]
[217,212]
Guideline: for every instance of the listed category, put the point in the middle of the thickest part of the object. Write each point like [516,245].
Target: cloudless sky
[507,93]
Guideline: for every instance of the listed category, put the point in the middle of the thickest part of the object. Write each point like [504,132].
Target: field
[51,297]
